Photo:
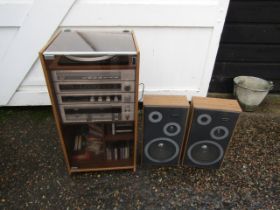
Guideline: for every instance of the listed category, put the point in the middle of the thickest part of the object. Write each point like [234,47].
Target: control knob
[127,87]
[91,99]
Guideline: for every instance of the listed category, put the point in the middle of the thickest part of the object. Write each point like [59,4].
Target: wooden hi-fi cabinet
[92,79]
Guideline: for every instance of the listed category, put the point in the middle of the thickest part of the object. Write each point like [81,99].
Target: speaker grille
[161,150]
[205,152]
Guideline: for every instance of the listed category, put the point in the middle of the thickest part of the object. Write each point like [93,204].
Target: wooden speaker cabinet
[164,129]
[92,79]
[211,125]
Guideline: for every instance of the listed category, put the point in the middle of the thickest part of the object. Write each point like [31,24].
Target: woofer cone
[205,153]
[161,150]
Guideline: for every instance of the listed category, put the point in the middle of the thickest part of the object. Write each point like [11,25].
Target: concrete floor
[33,173]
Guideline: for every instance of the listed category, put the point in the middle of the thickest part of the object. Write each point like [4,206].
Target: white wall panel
[35,76]
[6,36]
[178,40]
[38,26]
[142,13]
[173,59]
[30,95]
[13,12]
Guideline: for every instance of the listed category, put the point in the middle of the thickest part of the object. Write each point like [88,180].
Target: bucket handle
[271,85]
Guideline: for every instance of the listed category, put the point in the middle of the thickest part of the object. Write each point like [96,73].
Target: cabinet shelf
[118,137]
[100,162]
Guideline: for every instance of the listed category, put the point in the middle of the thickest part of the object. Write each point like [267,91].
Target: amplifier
[94,112]
[81,86]
[97,98]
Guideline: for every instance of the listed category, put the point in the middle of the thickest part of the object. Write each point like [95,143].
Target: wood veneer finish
[187,133]
[136,102]
[90,169]
[165,101]
[216,104]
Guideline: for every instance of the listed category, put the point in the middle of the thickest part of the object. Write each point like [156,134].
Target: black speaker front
[164,130]
[209,136]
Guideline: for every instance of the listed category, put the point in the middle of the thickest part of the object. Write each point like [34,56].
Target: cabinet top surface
[216,104]
[86,42]
[165,101]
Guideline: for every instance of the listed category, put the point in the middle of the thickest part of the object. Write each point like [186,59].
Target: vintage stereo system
[211,125]
[92,78]
[164,129]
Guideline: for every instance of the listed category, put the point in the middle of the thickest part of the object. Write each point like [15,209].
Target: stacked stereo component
[90,96]
[92,79]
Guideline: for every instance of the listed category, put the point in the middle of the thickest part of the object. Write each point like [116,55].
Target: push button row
[105,98]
